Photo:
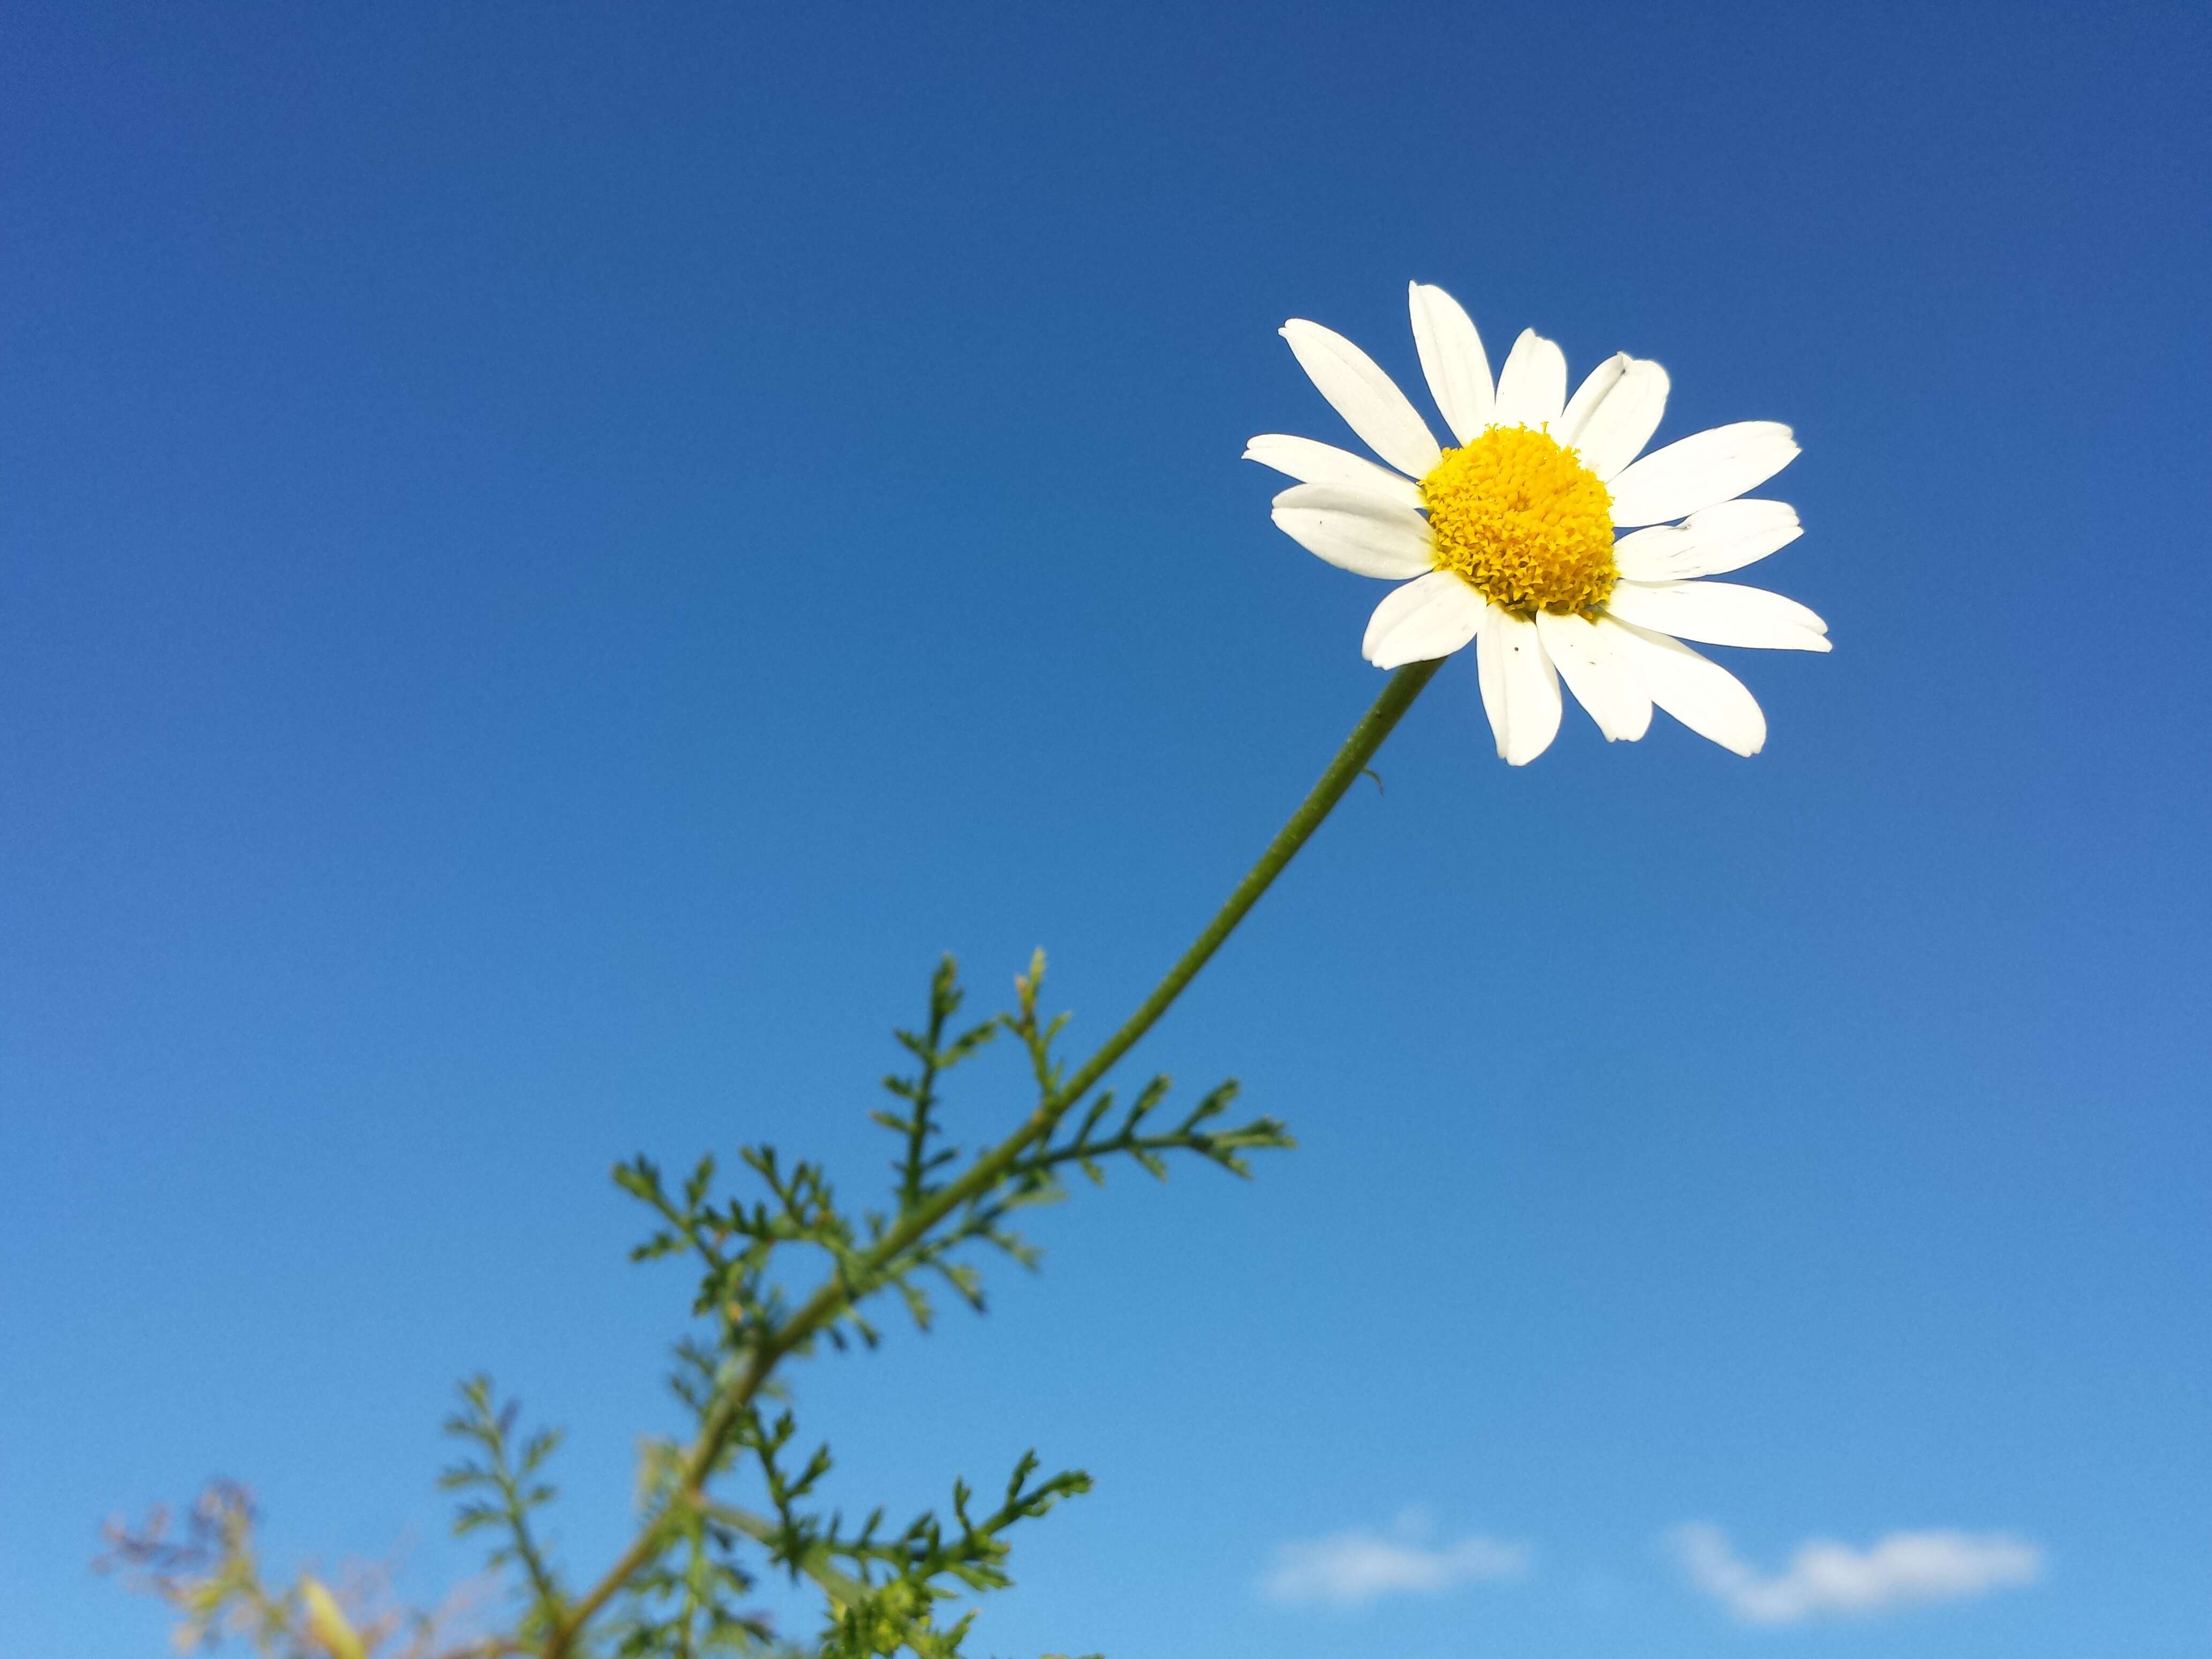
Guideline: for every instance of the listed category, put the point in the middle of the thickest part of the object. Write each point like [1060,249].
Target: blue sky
[552,558]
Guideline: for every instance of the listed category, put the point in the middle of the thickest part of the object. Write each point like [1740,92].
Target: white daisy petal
[1532,387]
[1696,690]
[1431,617]
[1724,538]
[1355,531]
[1651,555]
[1369,399]
[1611,430]
[1598,673]
[1701,470]
[1720,613]
[1452,358]
[1520,687]
[1588,395]
[1490,675]
[1310,462]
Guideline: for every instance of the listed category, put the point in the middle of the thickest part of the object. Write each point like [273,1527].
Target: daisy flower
[1509,539]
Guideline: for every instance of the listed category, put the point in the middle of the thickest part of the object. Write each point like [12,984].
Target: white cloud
[1899,1569]
[1349,1569]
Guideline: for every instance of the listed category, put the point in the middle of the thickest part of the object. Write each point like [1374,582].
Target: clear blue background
[551,558]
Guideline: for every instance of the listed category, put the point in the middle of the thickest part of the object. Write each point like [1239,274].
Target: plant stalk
[841,1291]
[1351,761]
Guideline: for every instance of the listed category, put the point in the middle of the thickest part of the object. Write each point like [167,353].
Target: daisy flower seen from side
[1508,540]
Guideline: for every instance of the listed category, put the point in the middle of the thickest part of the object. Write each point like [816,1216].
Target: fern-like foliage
[686,1587]
[947,1212]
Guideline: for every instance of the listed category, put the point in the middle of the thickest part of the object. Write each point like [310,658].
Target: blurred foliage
[207,1569]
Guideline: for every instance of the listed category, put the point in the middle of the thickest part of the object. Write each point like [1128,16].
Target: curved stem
[1351,761]
[830,1302]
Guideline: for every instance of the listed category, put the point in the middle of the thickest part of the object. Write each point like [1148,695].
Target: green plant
[682,1587]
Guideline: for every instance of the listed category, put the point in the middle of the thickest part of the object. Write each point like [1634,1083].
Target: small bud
[327,1625]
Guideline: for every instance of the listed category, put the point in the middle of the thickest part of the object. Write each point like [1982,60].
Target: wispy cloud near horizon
[1827,1579]
[1350,1569]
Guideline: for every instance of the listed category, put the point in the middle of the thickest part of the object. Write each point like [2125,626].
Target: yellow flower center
[1520,519]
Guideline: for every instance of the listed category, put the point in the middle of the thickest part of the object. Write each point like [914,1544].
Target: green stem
[1351,761]
[830,1302]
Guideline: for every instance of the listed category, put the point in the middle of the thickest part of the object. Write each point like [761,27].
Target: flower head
[1509,539]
